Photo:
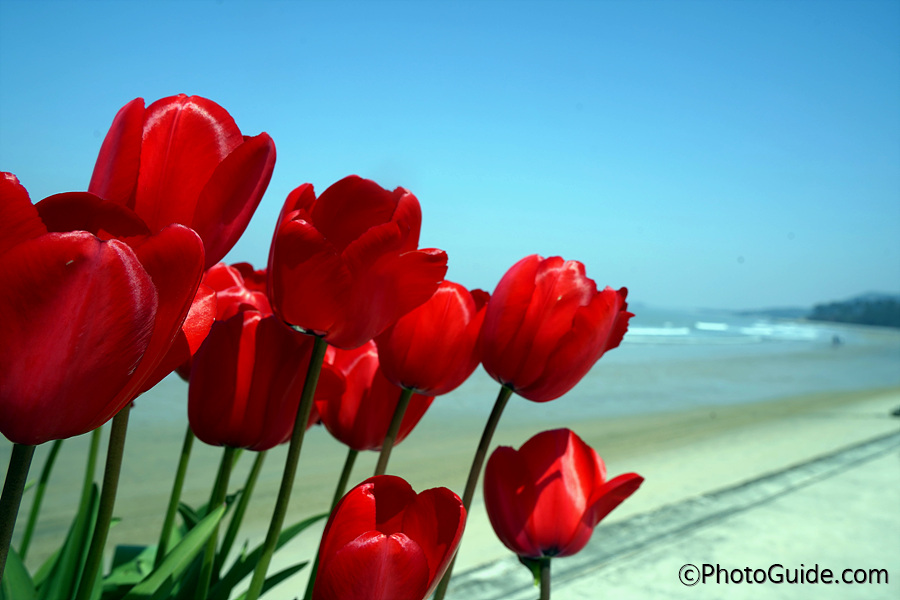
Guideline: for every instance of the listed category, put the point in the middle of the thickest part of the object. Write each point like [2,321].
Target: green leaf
[129,566]
[132,558]
[39,498]
[533,565]
[16,583]
[45,569]
[159,583]
[191,517]
[62,580]
[245,564]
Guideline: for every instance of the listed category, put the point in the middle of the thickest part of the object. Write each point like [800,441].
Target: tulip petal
[341,415]
[351,207]
[596,328]
[560,287]
[84,211]
[214,374]
[565,472]
[392,496]
[184,140]
[19,220]
[374,566]
[436,520]
[509,497]
[386,289]
[505,312]
[282,360]
[301,198]
[302,256]
[116,170]
[79,317]
[361,415]
[232,194]
[221,277]
[408,217]
[353,516]
[611,494]
[193,331]
[432,348]
[174,260]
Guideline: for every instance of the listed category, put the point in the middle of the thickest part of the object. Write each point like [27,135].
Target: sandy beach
[682,455]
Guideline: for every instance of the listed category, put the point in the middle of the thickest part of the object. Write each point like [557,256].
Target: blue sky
[713,154]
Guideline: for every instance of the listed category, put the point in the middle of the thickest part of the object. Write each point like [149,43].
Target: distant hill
[866,309]
[783,312]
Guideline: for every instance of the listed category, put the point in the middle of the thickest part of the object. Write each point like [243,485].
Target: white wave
[659,331]
[710,326]
[782,331]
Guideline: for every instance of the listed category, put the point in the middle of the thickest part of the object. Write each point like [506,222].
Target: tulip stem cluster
[393,430]
[220,490]
[239,511]
[89,469]
[477,463]
[107,502]
[19,463]
[39,498]
[163,546]
[290,467]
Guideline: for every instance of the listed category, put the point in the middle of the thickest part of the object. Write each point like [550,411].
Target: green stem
[89,469]
[38,498]
[393,429]
[489,428]
[11,498]
[163,546]
[338,494]
[220,490]
[345,477]
[545,578]
[107,503]
[239,512]
[290,468]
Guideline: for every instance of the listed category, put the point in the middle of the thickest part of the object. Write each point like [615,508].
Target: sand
[682,455]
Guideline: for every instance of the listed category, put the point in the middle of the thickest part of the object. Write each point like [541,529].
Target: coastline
[681,454]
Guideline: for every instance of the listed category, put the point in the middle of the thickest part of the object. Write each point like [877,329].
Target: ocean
[670,360]
[673,360]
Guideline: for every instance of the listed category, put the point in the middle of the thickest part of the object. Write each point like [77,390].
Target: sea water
[671,360]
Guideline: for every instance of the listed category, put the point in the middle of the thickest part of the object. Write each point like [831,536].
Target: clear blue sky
[717,154]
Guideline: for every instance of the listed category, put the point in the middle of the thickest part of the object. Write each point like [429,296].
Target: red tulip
[346,265]
[92,305]
[360,416]
[246,381]
[74,211]
[433,348]
[238,287]
[184,160]
[546,325]
[385,542]
[545,499]
[233,289]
